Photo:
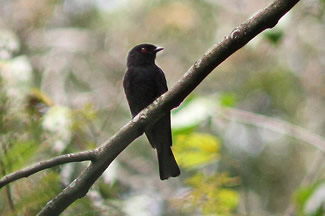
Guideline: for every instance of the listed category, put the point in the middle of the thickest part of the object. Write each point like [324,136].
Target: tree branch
[39,166]
[275,125]
[107,152]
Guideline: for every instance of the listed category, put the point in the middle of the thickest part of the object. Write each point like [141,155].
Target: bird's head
[142,54]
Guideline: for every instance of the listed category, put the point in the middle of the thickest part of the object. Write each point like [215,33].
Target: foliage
[29,124]
[196,149]
[211,195]
[208,194]
[39,193]
[228,99]
[61,66]
[274,36]
[310,200]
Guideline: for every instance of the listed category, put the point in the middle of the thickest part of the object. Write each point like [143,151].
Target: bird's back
[141,87]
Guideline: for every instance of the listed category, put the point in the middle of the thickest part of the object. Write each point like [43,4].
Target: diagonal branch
[107,152]
[39,166]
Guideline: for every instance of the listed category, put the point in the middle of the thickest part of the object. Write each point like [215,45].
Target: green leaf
[228,99]
[274,36]
[18,155]
[38,194]
[305,195]
[228,198]
[210,195]
[196,149]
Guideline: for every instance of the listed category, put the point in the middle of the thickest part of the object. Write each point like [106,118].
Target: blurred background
[247,139]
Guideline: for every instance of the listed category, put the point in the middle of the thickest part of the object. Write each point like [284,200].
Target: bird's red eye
[144,50]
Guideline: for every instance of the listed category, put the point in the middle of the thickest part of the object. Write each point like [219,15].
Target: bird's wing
[161,82]
[159,134]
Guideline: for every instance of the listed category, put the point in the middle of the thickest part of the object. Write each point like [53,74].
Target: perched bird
[143,82]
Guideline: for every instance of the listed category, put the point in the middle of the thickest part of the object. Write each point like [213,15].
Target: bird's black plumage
[143,82]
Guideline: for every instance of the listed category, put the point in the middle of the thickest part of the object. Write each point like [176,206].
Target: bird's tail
[167,163]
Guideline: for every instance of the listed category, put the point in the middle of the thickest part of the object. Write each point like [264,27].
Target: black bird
[143,82]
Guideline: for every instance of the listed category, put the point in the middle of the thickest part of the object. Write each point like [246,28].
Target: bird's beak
[158,49]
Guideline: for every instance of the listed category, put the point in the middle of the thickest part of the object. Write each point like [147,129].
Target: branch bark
[39,166]
[107,152]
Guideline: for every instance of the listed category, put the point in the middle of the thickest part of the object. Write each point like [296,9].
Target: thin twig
[92,129]
[276,125]
[112,108]
[288,129]
[9,197]
[8,191]
[39,166]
